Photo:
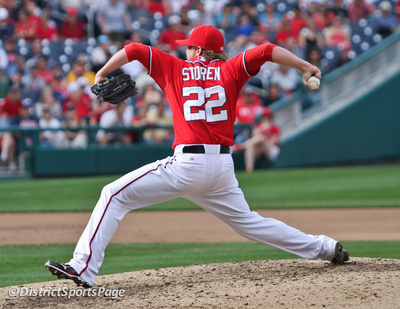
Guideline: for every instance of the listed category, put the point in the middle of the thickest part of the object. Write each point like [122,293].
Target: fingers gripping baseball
[115,89]
[311,77]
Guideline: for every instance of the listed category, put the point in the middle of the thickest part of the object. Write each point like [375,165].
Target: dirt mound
[361,283]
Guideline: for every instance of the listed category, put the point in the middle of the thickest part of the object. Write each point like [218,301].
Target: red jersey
[82,107]
[272,131]
[8,108]
[298,23]
[321,21]
[73,30]
[247,113]
[48,31]
[202,94]
[23,29]
[282,36]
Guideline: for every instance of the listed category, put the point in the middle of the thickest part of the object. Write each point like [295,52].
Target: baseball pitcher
[202,92]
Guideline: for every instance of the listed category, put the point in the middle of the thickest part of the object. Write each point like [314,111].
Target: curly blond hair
[212,55]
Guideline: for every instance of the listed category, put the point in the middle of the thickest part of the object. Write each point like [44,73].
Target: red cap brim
[186,42]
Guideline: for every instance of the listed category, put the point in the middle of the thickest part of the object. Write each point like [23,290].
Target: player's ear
[199,50]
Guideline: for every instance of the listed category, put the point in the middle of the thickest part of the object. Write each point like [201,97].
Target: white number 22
[202,95]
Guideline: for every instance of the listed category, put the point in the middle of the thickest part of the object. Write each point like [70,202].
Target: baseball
[314,82]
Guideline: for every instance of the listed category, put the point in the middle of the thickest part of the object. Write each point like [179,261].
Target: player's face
[192,52]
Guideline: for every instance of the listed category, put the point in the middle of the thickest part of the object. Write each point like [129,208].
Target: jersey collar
[200,59]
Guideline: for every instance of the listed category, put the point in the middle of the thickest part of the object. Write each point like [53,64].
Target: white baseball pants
[206,179]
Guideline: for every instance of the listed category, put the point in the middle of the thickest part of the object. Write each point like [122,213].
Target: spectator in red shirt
[167,38]
[9,111]
[285,32]
[299,20]
[359,9]
[156,6]
[26,27]
[48,28]
[248,107]
[338,34]
[323,17]
[73,27]
[80,99]
[9,106]
[264,142]
[43,71]
[33,10]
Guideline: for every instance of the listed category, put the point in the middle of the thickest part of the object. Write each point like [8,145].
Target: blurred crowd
[51,50]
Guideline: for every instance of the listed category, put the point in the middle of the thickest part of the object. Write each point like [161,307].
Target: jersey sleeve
[139,52]
[255,57]
[160,66]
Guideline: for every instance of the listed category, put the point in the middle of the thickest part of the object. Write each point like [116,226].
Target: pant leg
[151,184]
[230,206]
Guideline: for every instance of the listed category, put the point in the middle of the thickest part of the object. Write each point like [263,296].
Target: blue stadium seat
[66,67]
[21,42]
[56,47]
[91,42]
[282,7]
[63,59]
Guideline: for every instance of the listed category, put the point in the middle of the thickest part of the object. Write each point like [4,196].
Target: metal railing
[34,135]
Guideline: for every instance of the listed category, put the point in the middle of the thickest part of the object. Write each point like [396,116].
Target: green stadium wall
[367,130]
[95,160]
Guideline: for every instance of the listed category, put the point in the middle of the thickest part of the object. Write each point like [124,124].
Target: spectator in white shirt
[286,78]
[51,138]
[119,116]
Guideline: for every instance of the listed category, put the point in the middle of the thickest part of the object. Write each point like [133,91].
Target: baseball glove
[115,89]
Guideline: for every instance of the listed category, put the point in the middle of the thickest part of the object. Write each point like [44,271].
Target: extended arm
[116,61]
[286,58]
[257,56]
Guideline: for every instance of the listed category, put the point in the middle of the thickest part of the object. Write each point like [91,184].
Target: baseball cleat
[65,271]
[341,255]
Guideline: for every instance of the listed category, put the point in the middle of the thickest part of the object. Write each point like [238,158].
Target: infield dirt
[361,283]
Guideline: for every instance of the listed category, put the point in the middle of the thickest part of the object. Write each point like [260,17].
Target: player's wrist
[98,77]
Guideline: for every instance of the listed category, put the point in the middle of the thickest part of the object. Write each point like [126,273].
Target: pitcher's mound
[361,283]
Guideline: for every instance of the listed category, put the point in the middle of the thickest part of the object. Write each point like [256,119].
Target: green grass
[21,264]
[266,189]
